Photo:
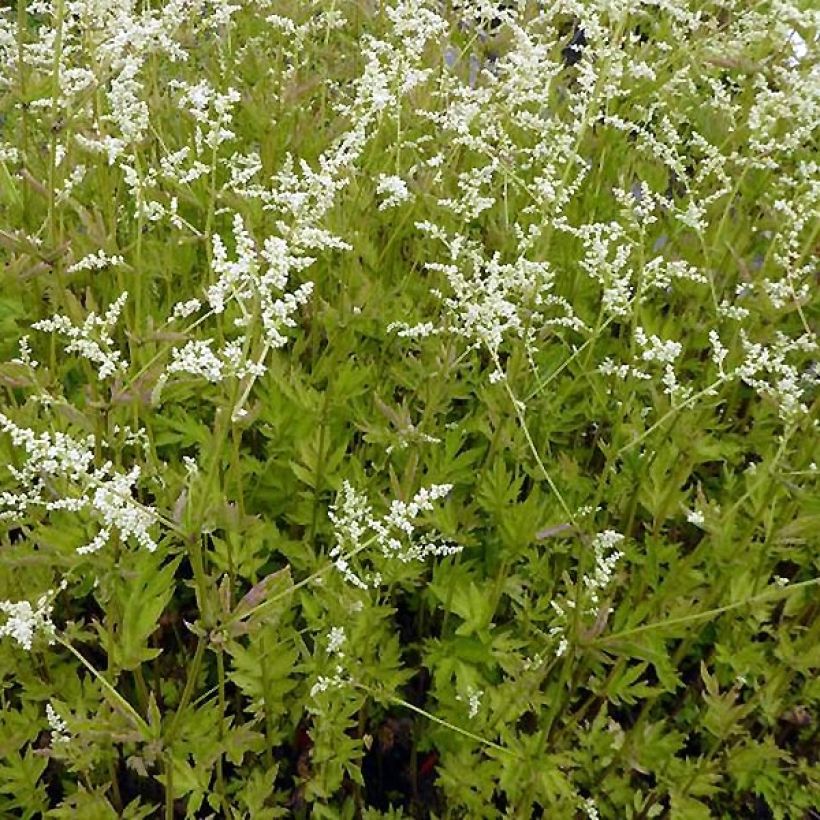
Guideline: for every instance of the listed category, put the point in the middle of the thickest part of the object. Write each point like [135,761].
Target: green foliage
[612,363]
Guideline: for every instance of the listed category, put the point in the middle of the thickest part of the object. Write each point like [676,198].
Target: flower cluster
[562,191]
[393,189]
[766,368]
[25,622]
[653,350]
[356,527]
[491,300]
[59,728]
[473,698]
[606,556]
[211,111]
[325,682]
[92,340]
[106,493]
[96,261]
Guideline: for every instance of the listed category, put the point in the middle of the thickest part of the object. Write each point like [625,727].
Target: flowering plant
[408,408]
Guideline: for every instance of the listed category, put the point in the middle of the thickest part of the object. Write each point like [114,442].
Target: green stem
[187,692]
[220,773]
[768,595]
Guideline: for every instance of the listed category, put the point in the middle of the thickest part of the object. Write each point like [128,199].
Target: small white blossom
[25,357]
[335,640]
[590,809]
[96,261]
[184,309]
[696,517]
[719,352]
[197,359]
[25,622]
[656,349]
[604,546]
[393,189]
[59,728]
[325,682]
[473,698]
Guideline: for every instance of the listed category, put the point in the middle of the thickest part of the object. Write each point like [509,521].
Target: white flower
[197,359]
[325,682]
[103,491]
[766,369]
[114,505]
[693,217]
[489,299]
[97,543]
[394,533]
[656,349]
[96,261]
[696,517]
[719,351]
[25,622]
[92,340]
[184,309]
[590,809]
[59,728]
[607,555]
[419,331]
[25,357]
[393,189]
[474,696]
[335,640]
[211,111]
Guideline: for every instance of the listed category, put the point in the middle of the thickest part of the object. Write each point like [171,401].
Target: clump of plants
[409,409]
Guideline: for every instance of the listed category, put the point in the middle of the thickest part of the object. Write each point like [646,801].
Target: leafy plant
[408,409]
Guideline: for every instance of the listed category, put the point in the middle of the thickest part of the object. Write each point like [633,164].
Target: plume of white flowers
[606,556]
[104,492]
[59,728]
[490,300]
[24,622]
[766,368]
[92,340]
[394,534]
[394,191]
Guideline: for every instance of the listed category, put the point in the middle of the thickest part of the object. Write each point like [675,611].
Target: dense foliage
[408,408]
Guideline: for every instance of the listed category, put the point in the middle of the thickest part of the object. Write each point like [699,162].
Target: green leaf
[145,598]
